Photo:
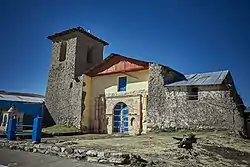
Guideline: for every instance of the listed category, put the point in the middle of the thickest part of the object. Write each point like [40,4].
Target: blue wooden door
[125,120]
[121,118]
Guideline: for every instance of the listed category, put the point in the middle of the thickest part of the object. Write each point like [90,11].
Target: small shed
[23,106]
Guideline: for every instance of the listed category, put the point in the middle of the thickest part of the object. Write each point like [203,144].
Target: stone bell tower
[73,52]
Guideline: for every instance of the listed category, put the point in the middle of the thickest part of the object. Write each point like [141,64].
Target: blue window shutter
[122,84]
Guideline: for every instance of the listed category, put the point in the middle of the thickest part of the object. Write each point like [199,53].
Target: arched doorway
[121,118]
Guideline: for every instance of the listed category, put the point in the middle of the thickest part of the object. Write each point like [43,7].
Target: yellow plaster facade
[87,88]
[100,118]
[108,83]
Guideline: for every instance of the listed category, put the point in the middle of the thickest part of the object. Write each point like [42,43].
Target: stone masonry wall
[156,96]
[170,109]
[64,94]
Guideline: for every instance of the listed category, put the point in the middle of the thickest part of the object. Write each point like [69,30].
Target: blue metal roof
[18,98]
[209,78]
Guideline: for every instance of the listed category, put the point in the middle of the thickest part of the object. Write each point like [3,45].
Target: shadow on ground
[239,157]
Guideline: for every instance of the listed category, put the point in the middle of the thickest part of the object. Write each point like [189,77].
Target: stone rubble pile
[90,155]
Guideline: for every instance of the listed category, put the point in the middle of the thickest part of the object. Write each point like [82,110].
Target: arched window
[107,121]
[63,50]
[132,121]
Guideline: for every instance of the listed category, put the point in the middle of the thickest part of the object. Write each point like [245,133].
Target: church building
[120,94]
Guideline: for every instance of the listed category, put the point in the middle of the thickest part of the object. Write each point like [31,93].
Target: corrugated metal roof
[19,98]
[209,78]
[247,110]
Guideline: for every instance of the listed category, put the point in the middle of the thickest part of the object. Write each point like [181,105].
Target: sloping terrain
[213,148]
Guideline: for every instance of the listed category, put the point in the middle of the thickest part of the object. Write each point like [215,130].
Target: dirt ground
[213,148]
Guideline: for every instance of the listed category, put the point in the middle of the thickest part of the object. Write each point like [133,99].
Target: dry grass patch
[60,129]
[135,144]
[212,149]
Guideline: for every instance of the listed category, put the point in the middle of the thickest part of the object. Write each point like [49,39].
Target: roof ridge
[207,78]
[208,72]
[127,57]
[22,94]
[75,29]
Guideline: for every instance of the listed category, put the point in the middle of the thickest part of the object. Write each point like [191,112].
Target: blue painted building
[30,105]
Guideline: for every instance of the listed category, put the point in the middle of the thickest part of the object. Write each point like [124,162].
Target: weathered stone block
[21,147]
[51,152]
[56,149]
[119,155]
[62,155]
[101,154]
[13,147]
[116,160]
[63,149]
[82,151]
[92,153]
[79,156]
[42,151]
[69,150]
[28,148]
[92,159]
[103,161]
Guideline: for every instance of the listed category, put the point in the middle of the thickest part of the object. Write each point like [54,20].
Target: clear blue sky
[189,36]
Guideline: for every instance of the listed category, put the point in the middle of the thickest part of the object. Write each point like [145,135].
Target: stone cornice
[127,94]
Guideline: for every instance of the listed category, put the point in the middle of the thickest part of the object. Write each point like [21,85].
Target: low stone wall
[68,151]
